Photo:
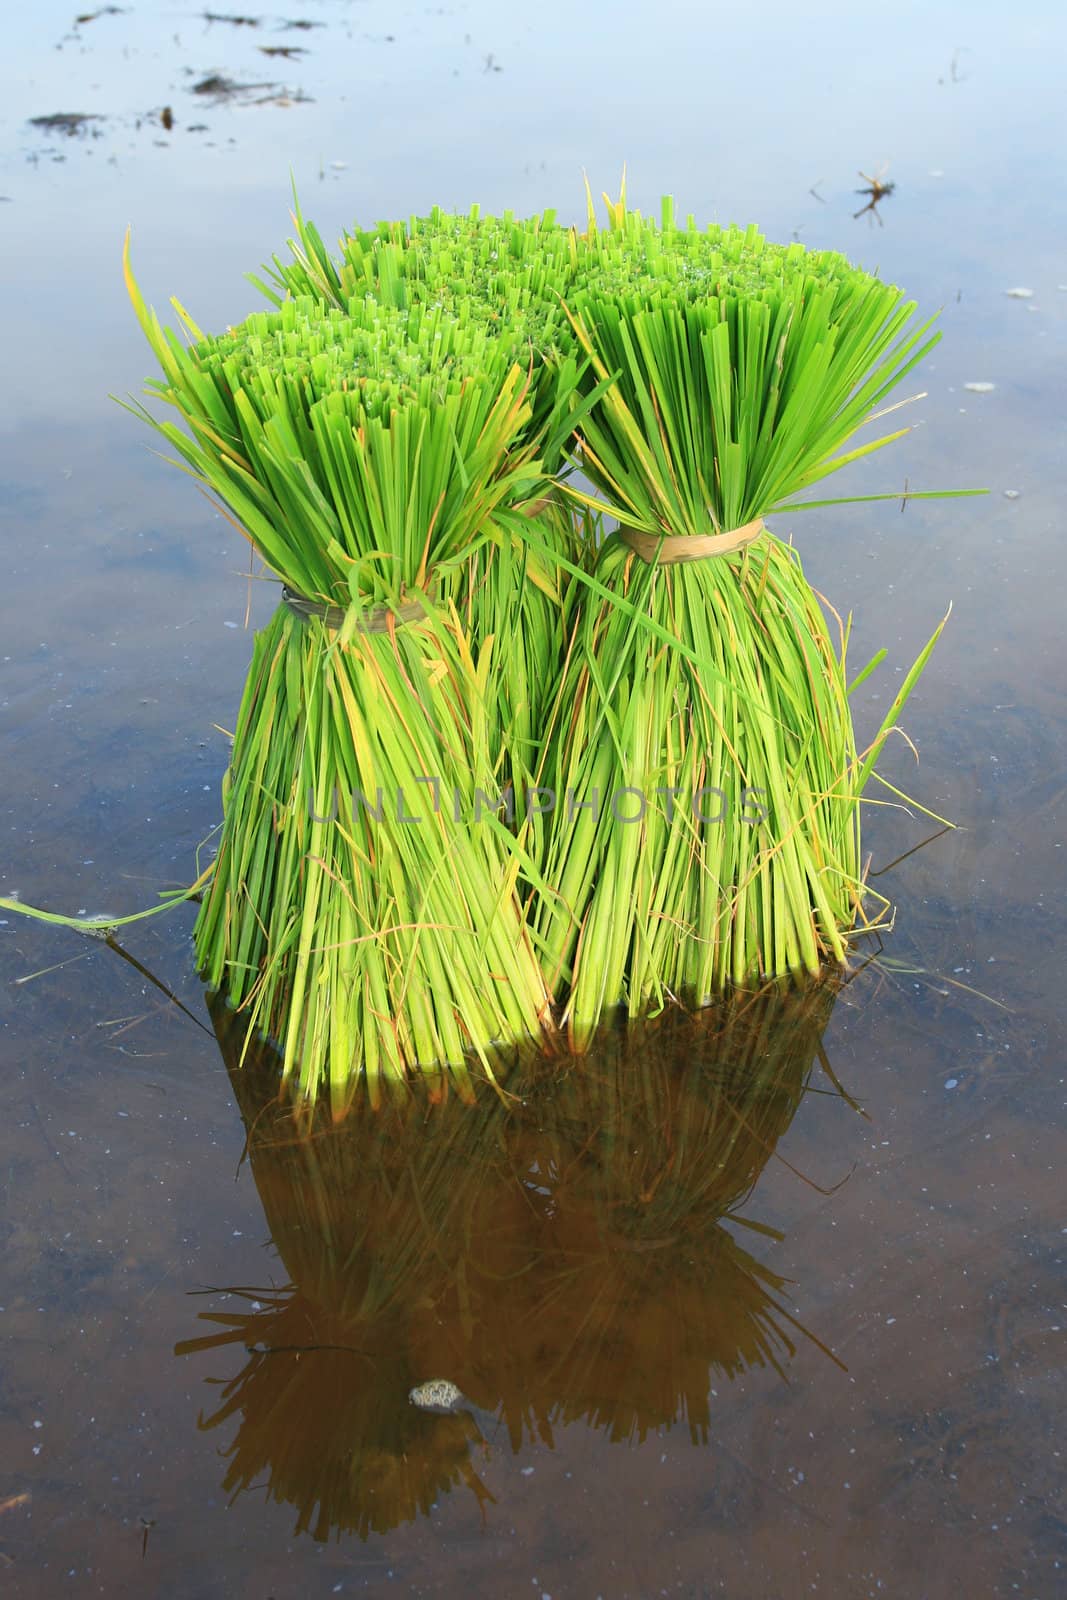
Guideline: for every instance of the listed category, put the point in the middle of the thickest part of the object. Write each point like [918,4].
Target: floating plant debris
[234,21]
[68,123]
[980,388]
[228,91]
[166,117]
[289,52]
[103,11]
[1019,294]
[221,89]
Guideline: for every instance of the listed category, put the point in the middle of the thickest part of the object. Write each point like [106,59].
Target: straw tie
[670,548]
[378,619]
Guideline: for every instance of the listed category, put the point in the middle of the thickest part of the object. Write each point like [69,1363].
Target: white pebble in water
[980,388]
[950,1083]
[1011,494]
[1019,294]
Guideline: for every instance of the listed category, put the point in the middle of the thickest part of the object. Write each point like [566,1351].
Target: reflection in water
[559,1255]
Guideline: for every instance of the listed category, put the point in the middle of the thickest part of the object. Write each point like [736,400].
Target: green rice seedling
[374,457]
[702,753]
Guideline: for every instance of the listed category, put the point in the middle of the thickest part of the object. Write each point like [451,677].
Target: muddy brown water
[721,1330]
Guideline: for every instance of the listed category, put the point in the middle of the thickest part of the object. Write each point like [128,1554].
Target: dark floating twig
[217,87]
[290,52]
[301,23]
[215,84]
[103,11]
[234,21]
[67,122]
[223,90]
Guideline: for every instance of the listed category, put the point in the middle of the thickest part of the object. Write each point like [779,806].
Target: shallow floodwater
[773,1307]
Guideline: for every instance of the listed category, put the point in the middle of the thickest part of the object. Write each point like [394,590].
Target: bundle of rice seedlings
[364,908]
[509,275]
[397,439]
[703,754]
